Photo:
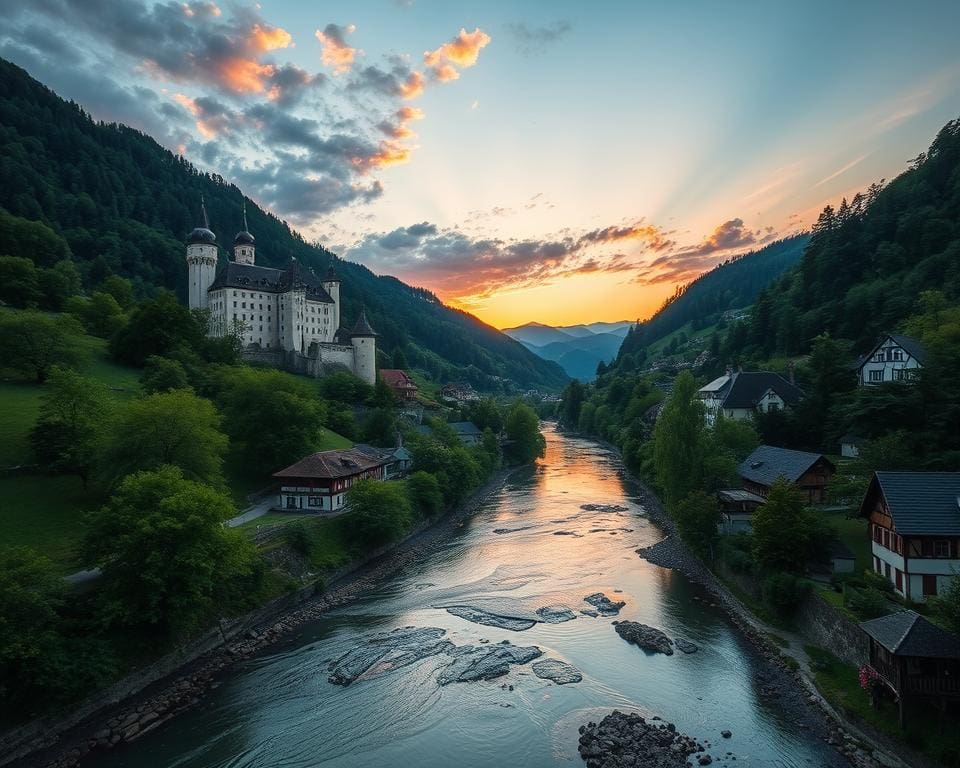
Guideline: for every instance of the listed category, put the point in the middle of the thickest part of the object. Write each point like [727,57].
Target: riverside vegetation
[159,440]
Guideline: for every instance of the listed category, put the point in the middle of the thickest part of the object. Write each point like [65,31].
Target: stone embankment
[145,709]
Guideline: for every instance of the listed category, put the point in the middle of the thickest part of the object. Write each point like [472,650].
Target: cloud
[532,40]
[853,163]
[334,51]
[462,52]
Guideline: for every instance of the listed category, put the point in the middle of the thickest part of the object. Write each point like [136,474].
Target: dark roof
[739,494]
[331,275]
[243,238]
[747,387]
[333,464]
[465,428]
[201,235]
[767,463]
[362,328]
[913,347]
[257,278]
[907,633]
[921,503]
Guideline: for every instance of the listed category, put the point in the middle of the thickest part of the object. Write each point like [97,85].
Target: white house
[894,358]
[914,528]
[319,482]
[288,315]
[739,395]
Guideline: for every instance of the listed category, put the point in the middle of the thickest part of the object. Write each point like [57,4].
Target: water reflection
[530,545]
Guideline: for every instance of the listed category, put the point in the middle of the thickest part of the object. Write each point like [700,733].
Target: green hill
[122,204]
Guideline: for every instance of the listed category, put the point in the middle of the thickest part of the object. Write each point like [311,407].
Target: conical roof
[362,328]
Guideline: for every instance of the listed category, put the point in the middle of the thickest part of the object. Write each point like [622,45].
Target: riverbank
[141,704]
[784,677]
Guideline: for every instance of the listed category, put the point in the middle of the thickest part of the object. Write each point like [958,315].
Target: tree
[346,388]
[947,605]
[157,327]
[18,282]
[425,494]
[120,288]
[785,535]
[697,516]
[166,557]
[172,428]
[380,512]
[486,414]
[400,360]
[58,284]
[383,396]
[678,441]
[274,418]
[525,442]
[101,315]
[573,397]
[31,343]
[161,374]
[380,428]
[31,594]
[74,412]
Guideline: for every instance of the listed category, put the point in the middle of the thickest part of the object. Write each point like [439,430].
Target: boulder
[648,638]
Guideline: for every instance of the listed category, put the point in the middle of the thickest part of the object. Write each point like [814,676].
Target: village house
[399,459]
[319,482]
[810,472]
[287,317]
[914,529]
[458,393]
[914,661]
[741,394]
[736,509]
[894,358]
[850,446]
[403,387]
[468,432]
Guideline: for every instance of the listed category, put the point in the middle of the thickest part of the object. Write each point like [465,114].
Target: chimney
[790,367]
[740,368]
[729,370]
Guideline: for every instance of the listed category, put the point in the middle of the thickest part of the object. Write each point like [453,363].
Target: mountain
[577,348]
[122,204]
[702,303]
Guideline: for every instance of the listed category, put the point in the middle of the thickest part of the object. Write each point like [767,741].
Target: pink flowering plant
[868,678]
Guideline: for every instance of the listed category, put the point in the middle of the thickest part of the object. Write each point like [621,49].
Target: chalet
[399,459]
[810,472]
[915,661]
[319,482]
[740,395]
[468,432]
[736,509]
[894,358]
[914,528]
[403,387]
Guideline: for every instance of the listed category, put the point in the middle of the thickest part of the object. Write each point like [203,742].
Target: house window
[929,585]
[315,501]
[773,406]
[899,580]
[886,570]
[876,375]
[941,548]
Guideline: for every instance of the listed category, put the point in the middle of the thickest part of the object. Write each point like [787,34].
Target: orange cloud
[206,127]
[389,153]
[245,75]
[412,86]
[334,51]
[263,39]
[461,52]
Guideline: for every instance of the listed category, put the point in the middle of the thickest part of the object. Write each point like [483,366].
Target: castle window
[234,305]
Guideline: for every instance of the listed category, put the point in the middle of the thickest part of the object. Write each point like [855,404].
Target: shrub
[297,537]
[866,603]
[783,592]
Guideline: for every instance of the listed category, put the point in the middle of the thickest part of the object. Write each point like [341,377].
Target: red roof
[328,465]
[396,378]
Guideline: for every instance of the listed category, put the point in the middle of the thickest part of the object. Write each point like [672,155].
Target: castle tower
[244,246]
[364,341]
[332,286]
[202,254]
[292,305]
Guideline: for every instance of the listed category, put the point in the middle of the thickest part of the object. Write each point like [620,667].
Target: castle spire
[203,207]
[245,227]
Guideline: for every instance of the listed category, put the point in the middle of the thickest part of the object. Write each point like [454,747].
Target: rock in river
[555,614]
[648,638]
[388,651]
[685,645]
[629,740]
[604,605]
[560,672]
[478,616]
[485,662]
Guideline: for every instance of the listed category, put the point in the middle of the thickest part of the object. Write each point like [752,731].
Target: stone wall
[320,360]
[823,625]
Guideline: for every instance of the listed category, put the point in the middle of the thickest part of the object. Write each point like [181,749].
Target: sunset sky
[552,161]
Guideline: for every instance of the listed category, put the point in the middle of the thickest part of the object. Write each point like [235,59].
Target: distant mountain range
[577,348]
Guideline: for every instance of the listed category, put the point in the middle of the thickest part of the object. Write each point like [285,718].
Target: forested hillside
[868,261]
[117,202]
[731,285]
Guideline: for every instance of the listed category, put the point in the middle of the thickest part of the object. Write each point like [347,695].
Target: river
[529,545]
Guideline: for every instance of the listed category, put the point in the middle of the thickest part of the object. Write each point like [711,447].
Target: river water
[530,545]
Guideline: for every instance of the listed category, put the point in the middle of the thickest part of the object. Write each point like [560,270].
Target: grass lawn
[19,406]
[44,513]
[839,683]
[328,542]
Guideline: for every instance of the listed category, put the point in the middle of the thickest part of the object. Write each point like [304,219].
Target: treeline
[112,201]
[731,285]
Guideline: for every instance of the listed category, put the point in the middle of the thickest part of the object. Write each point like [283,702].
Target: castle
[286,317]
